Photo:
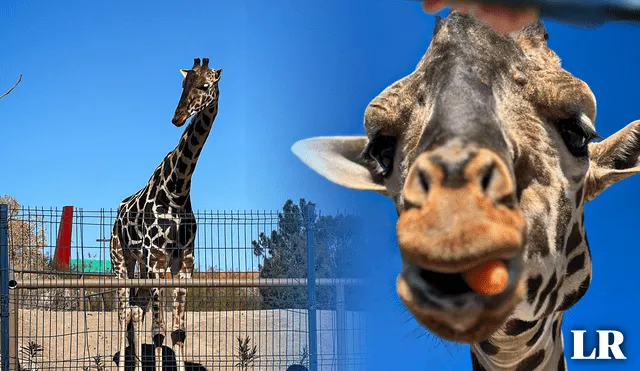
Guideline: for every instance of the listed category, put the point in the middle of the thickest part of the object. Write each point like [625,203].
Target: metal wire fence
[252,302]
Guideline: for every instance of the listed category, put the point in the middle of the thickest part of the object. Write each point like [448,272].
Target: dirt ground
[72,339]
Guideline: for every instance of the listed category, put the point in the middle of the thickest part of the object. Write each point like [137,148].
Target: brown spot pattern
[545,292]
[530,363]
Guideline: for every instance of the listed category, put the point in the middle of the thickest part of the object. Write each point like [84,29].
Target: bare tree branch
[13,87]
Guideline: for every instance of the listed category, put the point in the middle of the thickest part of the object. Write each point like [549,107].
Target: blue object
[580,13]
[584,13]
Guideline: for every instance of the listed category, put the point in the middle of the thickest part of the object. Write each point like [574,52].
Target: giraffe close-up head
[489,152]
[199,90]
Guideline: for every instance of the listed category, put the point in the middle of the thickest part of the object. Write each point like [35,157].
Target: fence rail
[272,278]
[111,283]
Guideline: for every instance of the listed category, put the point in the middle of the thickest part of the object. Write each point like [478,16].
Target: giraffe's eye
[576,136]
[382,149]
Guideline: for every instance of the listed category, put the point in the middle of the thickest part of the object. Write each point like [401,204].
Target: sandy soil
[71,339]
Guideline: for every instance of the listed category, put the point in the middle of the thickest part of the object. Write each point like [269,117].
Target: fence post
[81,295]
[340,327]
[311,289]
[4,286]
[14,299]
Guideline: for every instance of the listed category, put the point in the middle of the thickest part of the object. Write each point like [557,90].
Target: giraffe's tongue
[490,278]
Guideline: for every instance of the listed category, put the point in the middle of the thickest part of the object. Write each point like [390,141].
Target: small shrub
[30,354]
[302,365]
[304,355]
[246,355]
[98,365]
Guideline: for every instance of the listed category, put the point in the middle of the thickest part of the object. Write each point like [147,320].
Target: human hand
[500,18]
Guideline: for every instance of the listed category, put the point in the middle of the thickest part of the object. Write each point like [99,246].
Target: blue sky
[91,121]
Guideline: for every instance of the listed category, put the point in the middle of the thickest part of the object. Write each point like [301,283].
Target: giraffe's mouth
[444,303]
[452,284]
[179,119]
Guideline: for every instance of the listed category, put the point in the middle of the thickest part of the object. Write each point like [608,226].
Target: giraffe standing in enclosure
[155,228]
[486,152]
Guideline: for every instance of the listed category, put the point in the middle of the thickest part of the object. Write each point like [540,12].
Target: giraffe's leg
[139,309]
[118,259]
[138,302]
[137,314]
[136,308]
[124,316]
[178,334]
[158,328]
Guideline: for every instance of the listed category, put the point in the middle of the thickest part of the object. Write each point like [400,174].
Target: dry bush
[27,243]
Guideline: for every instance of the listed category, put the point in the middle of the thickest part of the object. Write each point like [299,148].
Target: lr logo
[608,341]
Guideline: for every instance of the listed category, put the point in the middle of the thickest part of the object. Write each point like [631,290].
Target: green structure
[90,265]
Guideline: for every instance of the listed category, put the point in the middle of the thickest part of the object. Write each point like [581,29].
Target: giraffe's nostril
[486,177]
[424,181]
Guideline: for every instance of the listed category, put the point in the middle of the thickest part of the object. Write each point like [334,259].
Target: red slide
[62,256]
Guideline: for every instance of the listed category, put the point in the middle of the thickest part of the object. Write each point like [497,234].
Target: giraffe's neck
[176,170]
[537,345]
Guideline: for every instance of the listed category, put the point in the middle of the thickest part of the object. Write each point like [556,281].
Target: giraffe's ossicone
[489,151]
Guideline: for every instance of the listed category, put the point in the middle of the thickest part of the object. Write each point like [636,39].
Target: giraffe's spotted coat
[551,283]
[575,239]
[576,264]
[489,348]
[532,362]
[533,285]
[536,336]
[516,326]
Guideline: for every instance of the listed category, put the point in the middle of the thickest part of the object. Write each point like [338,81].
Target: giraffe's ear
[218,74]
[531,38]
[184,72]
[613,159]
[338,160]
[535,31]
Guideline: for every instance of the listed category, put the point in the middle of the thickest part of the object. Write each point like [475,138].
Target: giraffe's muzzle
[460,211]
[179,119]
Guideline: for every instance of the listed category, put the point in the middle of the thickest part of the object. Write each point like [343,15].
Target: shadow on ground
[148,357]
